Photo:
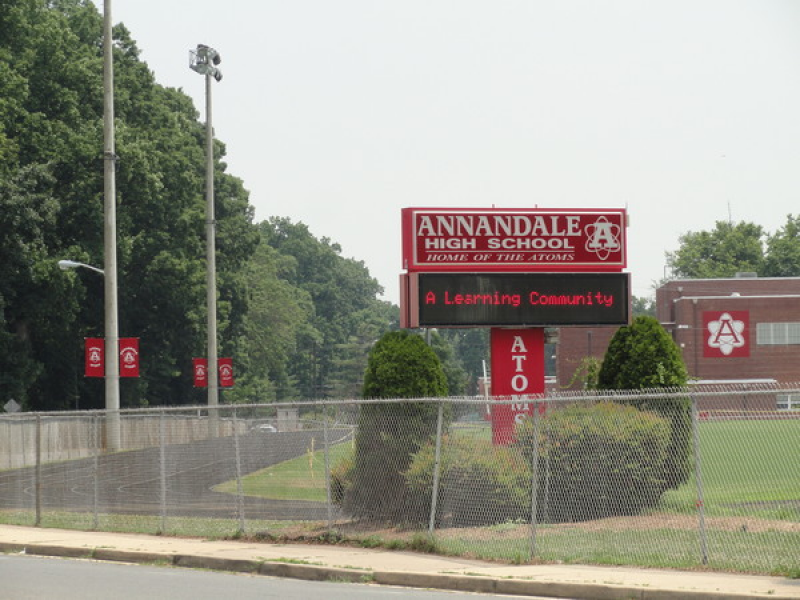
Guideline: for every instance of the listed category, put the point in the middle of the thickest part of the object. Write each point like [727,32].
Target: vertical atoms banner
[200,372]
[129,357]
[225,372]
[95,349]
[517,371]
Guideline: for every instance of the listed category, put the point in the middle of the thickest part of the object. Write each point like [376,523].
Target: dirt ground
[363,531]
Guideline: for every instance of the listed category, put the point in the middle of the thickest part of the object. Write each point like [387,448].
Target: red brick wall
[575,344]
[680,306]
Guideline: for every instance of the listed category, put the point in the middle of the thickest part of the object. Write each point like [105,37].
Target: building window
[777,334]
[788,401]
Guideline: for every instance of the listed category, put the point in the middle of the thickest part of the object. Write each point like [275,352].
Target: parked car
[265,428]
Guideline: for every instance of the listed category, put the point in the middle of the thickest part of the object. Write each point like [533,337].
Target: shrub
[341,476]
[479,483]
[597,461]
[644,356]
[400,365]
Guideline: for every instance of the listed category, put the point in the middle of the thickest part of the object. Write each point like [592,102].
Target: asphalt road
[131,482]
[36,578]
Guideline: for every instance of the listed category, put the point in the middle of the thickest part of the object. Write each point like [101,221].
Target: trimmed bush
[644,356]
[479,484]
[597,461]
[400,365]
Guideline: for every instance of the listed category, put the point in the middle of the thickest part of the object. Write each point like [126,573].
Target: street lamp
[71,264]
[204,60]
[111,355]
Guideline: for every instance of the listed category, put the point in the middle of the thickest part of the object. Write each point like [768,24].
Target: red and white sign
[497,240]
[517,371]
[129,357]
[95,350]
[200,372]
[726,334]
[225,372]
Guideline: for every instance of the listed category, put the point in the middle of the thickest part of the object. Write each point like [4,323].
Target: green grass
[301,478]
[146,524]
[766,552]
[747,467]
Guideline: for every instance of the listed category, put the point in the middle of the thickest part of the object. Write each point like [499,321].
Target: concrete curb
[310,572]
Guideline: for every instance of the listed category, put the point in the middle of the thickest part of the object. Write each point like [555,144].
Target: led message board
[525,240]
[517,299]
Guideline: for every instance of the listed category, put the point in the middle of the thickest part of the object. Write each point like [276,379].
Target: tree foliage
[783,250]
[742,247]
[642,356]
[297,317]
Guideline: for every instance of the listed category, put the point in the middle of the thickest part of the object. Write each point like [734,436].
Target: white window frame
[788,402]
[778,334]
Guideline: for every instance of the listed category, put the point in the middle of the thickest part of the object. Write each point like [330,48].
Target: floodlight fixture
[204,60]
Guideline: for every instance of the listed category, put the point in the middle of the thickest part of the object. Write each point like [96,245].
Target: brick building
[738,330]
[743,328]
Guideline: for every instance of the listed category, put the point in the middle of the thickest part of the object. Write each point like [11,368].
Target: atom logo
[602,238]
[726,334]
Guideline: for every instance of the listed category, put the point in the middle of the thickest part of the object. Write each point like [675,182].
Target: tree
[347,314]
[400,365]
[723,252]
[783,250]
[451,365]
[278,315]
[641,305]
[644,356]
[51,126]
[471,349]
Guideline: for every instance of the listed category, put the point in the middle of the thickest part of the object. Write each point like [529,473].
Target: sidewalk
[319,562]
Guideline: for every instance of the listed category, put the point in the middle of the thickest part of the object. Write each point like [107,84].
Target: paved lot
[131,482]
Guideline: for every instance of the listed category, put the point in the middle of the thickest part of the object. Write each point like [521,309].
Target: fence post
[699,480]
[535,478]
[436,468]
[239,490]
[96,471]
[328,498]
[38,483]
[162,470]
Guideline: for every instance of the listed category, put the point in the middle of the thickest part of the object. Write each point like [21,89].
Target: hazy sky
[340,113]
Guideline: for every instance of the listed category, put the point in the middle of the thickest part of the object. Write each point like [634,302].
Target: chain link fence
[661,478]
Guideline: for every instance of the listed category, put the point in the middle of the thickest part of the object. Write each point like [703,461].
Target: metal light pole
[110,238]
[204,60]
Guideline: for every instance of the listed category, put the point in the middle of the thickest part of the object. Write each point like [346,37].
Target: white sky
[340,113]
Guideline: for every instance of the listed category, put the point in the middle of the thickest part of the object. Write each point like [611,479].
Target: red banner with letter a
[200,370]
[129,357]
[95,350]
[225,372]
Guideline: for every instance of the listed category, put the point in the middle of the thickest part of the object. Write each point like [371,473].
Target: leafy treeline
[313,318]
[295,315]
[738,247]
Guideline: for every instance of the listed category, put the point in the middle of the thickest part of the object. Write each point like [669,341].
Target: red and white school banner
[726,334]
[94,352]
[224,369]
[129,357]
[225,372]
[95,361]
[517,371]
[200,372]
